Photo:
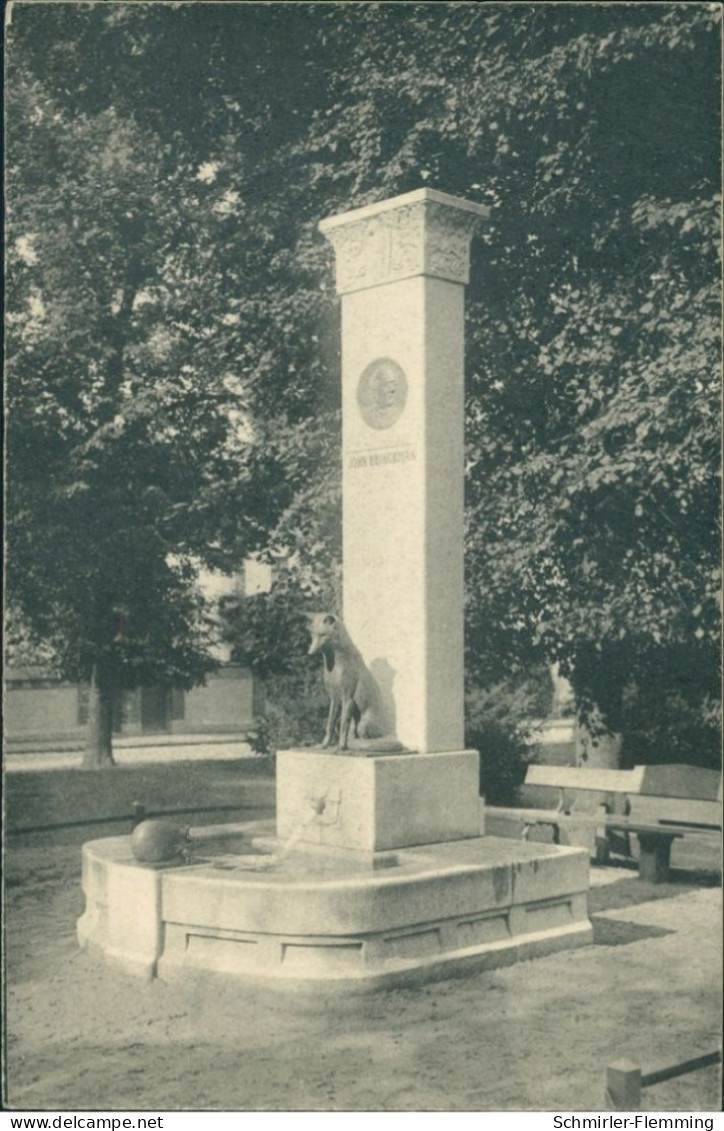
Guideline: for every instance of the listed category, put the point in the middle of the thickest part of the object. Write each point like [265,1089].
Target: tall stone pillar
[402,266]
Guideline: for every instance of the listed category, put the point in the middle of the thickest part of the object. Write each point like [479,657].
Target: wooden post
[623,1086]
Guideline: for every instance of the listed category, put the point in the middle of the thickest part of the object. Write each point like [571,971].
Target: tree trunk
[596,748]
[99,736]
[599,741]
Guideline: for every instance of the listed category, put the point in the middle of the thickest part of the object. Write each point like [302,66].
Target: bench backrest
[687,794]
[690,782]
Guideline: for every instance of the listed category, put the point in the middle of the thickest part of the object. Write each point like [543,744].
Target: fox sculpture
[354,698]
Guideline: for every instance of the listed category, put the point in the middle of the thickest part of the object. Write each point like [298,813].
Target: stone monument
[401,270]
[378,870]
[402,267]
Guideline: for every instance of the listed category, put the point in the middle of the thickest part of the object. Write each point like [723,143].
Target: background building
[40,707]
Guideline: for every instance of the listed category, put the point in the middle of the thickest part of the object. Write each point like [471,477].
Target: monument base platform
[252,906]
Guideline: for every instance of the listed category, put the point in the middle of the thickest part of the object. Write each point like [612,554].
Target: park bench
[601,809]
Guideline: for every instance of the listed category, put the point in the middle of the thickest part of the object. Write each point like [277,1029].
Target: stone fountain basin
[246,905]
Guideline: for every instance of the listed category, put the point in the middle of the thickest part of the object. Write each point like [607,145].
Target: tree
[130,451]
[154,420]
[592,326]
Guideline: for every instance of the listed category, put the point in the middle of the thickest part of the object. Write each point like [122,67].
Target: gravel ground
[534,1037]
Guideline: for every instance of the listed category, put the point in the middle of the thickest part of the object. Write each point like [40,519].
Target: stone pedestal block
[376,803]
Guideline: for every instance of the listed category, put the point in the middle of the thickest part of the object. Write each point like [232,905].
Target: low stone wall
[60,797]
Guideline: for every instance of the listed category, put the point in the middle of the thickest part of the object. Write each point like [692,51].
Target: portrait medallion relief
[382,393]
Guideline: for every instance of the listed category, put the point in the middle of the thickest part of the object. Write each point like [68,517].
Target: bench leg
[654,857]
[601,853]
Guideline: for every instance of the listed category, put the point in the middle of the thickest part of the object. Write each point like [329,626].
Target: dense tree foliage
[593,326]
[131,451]
[174,348]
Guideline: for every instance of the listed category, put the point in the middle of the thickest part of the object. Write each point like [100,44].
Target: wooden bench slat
[677,810]
[576,777]
[590,820]
[675,781]
[626,824]
[544,816]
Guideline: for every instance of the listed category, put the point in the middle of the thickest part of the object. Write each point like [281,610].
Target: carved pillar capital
[421,233]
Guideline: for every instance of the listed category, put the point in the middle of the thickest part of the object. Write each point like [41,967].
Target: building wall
[37,710]
[228,703]
[225,703]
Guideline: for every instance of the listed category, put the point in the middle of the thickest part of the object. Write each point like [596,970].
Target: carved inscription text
[381,458]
